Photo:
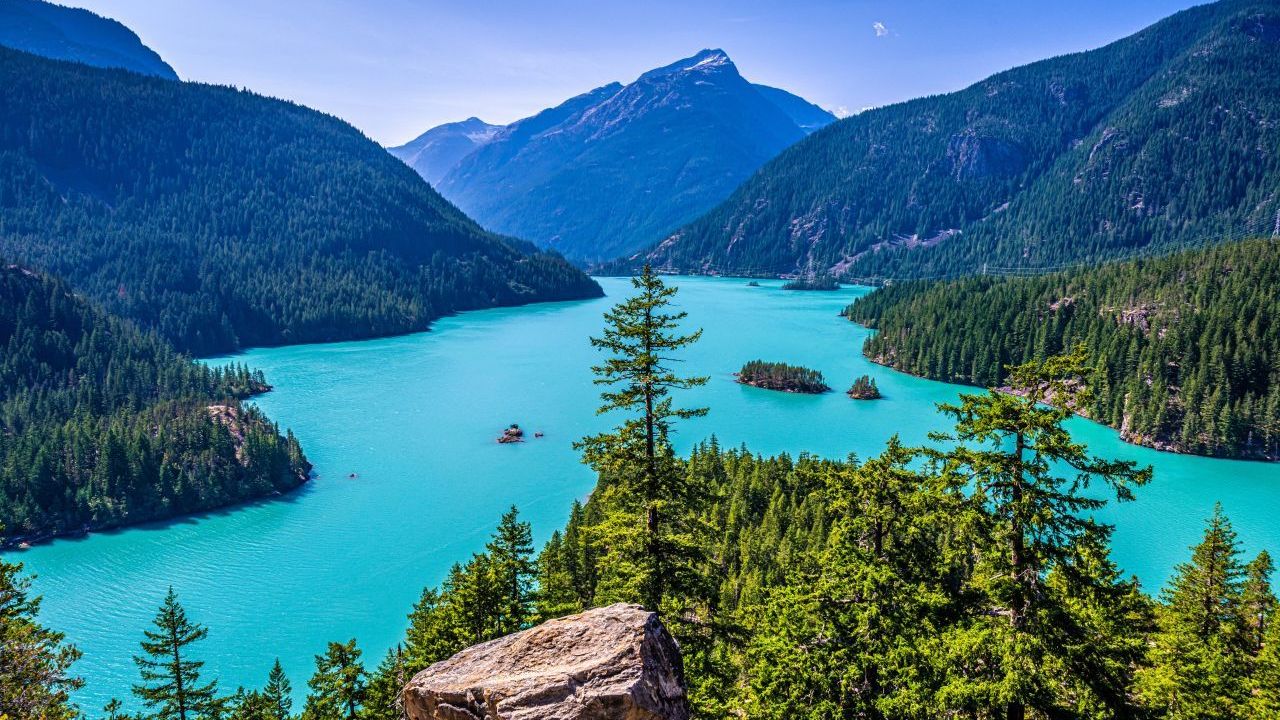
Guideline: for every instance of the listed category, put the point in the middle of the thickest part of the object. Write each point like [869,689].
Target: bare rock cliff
[612,663]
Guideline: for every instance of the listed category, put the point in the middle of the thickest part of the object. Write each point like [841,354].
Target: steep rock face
[612,663]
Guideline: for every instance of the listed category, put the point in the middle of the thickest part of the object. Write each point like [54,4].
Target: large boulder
[611,663]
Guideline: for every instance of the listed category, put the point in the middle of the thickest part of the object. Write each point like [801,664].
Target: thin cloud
[880,29]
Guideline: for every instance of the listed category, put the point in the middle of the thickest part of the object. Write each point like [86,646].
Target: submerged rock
[611,663]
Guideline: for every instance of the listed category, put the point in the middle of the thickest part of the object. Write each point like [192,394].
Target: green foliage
[278,693]
[223,219]
[339,684]
[817,282]
[1081,157]
[488,597]
[1008,450]
[35,663]
[513,568]
[171,686]
[382,699]
[103,425]
[781,376]
[863,388]
[1207,646]
[1183,348]
[651,554]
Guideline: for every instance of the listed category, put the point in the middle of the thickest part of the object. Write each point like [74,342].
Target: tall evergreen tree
[514,570]
[1031,521]
[338,685]
[1200,657]
[279,692]
[636,457]
[35,663]
[171,685]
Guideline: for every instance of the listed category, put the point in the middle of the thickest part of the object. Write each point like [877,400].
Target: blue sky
[396,67]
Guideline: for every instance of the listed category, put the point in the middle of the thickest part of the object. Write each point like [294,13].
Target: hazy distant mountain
[808,116]
[609,171]
[64,33]
[1167,137]
[436,151]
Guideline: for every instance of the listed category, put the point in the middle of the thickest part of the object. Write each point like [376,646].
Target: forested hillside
[1184,347]
[224,219]
[1167,137]
[102,424]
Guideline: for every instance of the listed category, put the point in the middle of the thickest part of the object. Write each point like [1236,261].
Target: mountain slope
[807,116]
[1183,346]
[608,171]
[102,425]
[225,219]
[1159,139]
[438,150]
[64,33]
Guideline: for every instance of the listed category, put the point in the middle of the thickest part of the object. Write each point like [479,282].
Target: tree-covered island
[781,376]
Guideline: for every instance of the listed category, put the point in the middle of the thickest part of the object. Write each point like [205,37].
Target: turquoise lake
[415,418]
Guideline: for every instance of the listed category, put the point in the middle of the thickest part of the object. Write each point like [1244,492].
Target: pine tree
[382,699]
[251,705]
[513,567]
[1199,658]
[338,685]
[1257,602]
[1032,521]
[279,693]
[35,679]
[636,458]
[171,684]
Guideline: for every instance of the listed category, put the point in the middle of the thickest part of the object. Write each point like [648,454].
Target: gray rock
[612,663]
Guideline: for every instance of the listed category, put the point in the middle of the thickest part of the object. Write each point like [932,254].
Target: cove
[415,419]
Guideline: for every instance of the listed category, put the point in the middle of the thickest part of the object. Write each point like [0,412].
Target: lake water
[415,418]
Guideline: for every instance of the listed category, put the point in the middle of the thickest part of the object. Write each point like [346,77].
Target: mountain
[77,35]
[438,150]
[224,219]
[606,172]
[103,425]
[807,116]
[1183,346]
[1154,141]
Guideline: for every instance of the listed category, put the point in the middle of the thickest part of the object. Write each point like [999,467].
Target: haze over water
[415,418]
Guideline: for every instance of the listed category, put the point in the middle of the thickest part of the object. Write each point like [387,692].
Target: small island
[864,388]
[817,282]
[512,434]
[753,283]
[781,376]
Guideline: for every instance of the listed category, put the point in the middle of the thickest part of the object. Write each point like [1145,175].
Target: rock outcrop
[611,663]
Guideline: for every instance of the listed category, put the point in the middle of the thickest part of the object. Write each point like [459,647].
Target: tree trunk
[1017,556]
[179,693]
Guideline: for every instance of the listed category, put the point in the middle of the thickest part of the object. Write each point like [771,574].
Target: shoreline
[1150,443]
